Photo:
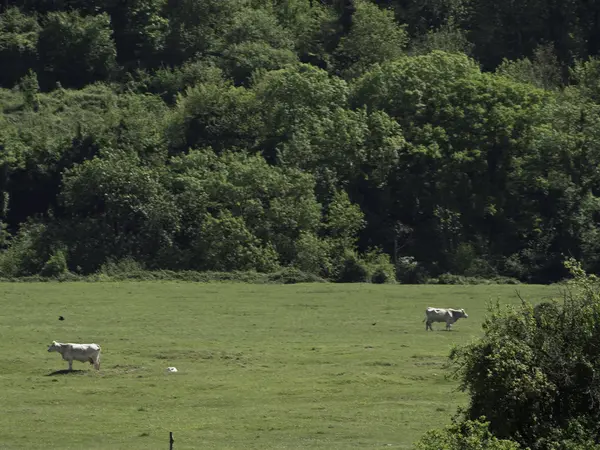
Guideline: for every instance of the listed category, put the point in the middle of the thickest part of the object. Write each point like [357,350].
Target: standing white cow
[447,315]
[79,352]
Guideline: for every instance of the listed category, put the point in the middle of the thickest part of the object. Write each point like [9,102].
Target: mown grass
[260,366]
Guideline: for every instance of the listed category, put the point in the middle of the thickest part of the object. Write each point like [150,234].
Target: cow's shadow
[66,372]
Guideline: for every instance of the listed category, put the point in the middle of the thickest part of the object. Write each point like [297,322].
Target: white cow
[447,315]
[79,352]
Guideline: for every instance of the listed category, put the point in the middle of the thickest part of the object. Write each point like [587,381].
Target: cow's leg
[70,365]
[97,363]
[428,325]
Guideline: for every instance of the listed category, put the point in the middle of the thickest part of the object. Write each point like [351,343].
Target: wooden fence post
[171,440]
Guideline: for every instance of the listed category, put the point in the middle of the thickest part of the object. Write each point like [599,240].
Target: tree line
[355,140]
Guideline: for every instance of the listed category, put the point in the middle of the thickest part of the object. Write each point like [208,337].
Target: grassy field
[260,366]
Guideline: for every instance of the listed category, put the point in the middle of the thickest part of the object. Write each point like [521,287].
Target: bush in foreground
[533,373]
[468,435]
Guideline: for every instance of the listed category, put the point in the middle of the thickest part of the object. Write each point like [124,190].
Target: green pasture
[260,366]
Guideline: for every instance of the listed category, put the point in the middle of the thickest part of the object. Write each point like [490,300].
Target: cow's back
[436,314]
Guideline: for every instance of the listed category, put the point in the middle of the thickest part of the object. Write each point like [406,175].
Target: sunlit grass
[260,366]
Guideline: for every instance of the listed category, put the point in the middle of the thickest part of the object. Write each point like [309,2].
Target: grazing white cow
[447,315]
[79,352]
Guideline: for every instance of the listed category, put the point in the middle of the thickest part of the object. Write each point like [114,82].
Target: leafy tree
[169,82]
[307,124]
[140,30]
[451,149]
[449,38]
[216,115]
[197,28]
[532,373]
[30,88]
[56,264]
[313,254]
[225,244]
[76,50]
[585,75]
[543,71]
[313,27]
[240,61]
[27,250]
[18,40]
[374,37]
[276,206]
[116,207]
[255,41]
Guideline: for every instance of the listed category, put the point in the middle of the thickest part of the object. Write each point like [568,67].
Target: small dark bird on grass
[61,318]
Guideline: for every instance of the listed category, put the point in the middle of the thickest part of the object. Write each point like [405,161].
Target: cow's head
[54,347]
[463,313]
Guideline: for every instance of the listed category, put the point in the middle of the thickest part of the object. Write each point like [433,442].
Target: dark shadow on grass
[66,372]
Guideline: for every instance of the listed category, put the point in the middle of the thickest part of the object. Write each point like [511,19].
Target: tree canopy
[461,135]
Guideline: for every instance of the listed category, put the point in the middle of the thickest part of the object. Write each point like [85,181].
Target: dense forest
[350,139]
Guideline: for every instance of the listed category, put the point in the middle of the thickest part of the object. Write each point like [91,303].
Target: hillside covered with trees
[347,138]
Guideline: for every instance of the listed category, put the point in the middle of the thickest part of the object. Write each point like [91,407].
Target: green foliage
[448,38]
[26,252]
[18,42]
[381,269]
[270,206]
[240,61]
[140,31]
[217,115]
[353,269]
[197,28]
[30,88]
[224,243]
[467,435]
[481,173]
[542,391]
[410,271]
[374,37]
[291,275]
[76,50]
[585,76]
[344,219]
[124,268]
[169,82]
[313,254]
[56,265]
[120,208]
[543,71]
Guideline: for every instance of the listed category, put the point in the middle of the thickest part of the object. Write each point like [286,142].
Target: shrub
[468,435]
[544,361]
[381,269]
[26,252]
[353,270]
[56,265]
[448,278]
[380,276]
[312,254]
[291,275]
[410,271]
[122,269]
